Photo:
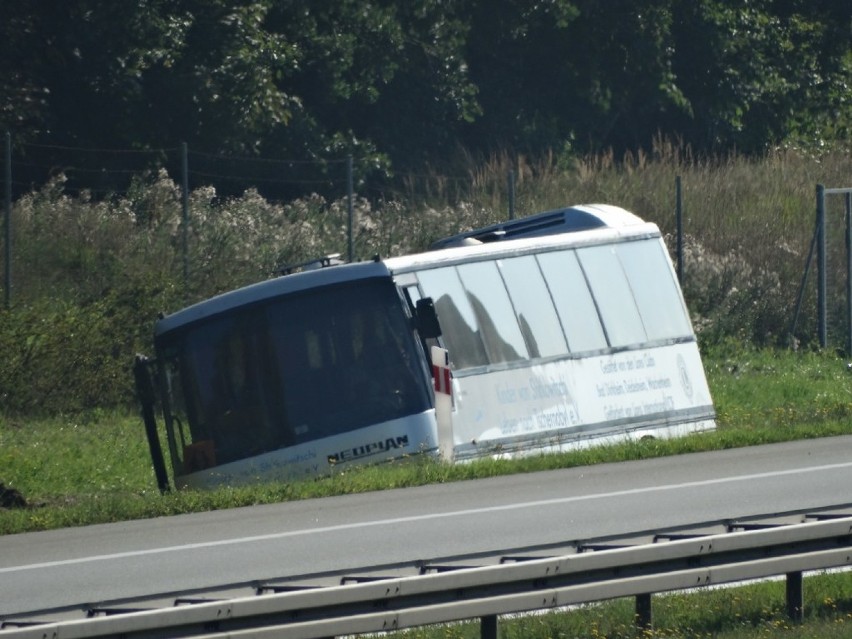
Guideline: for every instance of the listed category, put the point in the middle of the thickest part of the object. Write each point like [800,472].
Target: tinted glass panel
[655,289]
[613,295]
[494,313]
[232,388]
[460,329]
[533,306]
[296,369]
[347,359]
[574,303]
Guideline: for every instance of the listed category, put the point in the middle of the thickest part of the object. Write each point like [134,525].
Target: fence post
[821,265]
[8,225]
[511,194]
[184,164]
[679,224]
[350,252]
[848,274]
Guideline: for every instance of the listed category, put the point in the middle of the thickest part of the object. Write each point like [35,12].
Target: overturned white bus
[506,344]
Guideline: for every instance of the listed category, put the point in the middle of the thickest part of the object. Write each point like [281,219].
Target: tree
[278,78]
[756,72]
[406,84]
[386,77]
[573,73]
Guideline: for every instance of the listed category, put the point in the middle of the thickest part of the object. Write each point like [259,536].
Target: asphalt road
[66,568]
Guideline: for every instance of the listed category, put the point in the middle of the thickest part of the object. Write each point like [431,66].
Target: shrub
[62,356]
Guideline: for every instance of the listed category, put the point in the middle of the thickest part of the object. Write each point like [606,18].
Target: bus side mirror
[427,319]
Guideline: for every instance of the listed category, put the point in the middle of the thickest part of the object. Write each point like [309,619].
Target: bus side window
[498,325]
[573,300]
[613,295]
[655,289]
[462,336]
[534,306]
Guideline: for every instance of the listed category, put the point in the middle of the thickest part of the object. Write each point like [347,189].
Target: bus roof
[580,217]
[268,289]
[465,253]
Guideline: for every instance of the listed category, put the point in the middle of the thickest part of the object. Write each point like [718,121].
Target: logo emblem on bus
[368,450]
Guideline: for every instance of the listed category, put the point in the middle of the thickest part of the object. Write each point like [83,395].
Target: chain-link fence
[209,222]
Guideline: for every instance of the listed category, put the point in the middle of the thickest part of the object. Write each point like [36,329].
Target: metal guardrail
[532,584]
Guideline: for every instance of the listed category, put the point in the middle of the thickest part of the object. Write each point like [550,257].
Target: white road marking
[414,518]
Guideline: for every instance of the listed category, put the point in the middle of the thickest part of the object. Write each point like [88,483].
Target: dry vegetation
[89,276]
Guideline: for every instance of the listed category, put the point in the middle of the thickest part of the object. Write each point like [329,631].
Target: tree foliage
[403,84]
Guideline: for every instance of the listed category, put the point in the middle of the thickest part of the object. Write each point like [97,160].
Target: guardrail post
[644,620]
[795,597]
[488,627]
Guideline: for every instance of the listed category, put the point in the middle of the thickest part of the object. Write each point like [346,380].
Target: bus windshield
[290,370]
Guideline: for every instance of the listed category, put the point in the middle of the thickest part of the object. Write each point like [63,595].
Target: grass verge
[95,468]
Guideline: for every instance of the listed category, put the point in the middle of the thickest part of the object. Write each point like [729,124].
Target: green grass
[93,469]
[753,611]
[748,228]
